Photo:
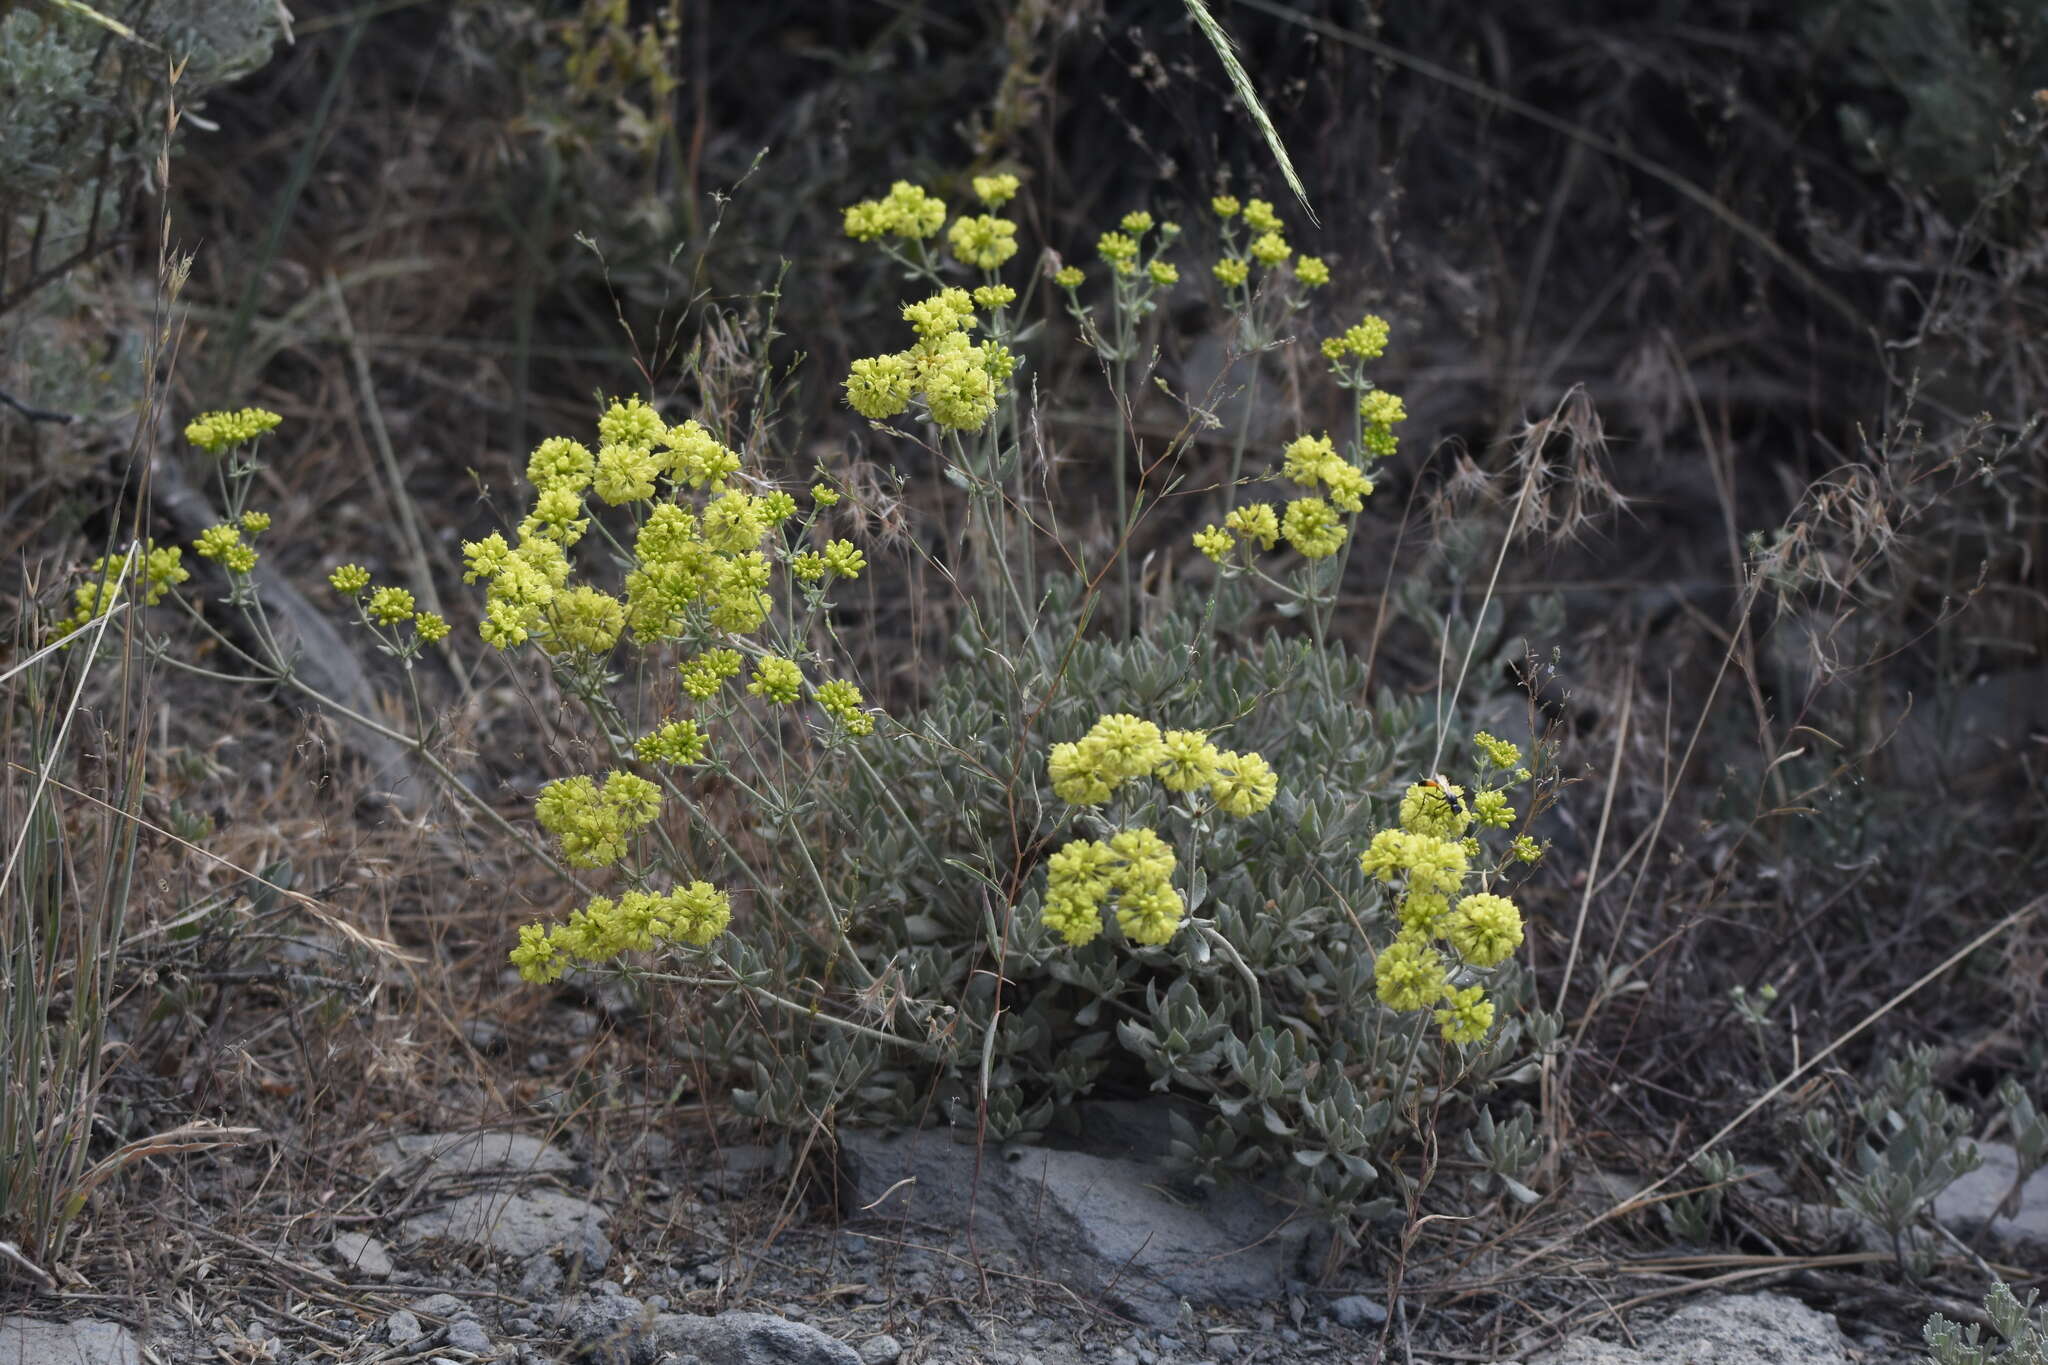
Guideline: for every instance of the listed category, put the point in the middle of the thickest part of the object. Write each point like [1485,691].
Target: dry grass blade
[105,21]
[200,1136]
[1241,81]
[368,942]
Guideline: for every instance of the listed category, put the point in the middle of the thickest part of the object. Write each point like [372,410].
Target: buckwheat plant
[1118,848]
[1172,898]
[653,560]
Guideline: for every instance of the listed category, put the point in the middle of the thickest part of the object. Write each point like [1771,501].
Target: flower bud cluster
[635,922]
[958,380]
[1121,748]
[1429,856]
[593,821]
[159,567]
[1133,868]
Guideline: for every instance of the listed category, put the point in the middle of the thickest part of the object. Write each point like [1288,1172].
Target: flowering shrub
[1098,857]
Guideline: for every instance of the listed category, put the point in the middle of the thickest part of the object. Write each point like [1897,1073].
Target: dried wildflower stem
[1447,706]
[760,992]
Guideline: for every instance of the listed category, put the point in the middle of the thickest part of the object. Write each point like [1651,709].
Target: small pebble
[880,1350]
[366,1256]
[709,1273]
[468,1335]
[402,1327]
[1356,1310]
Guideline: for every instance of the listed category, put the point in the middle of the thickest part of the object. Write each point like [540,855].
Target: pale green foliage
[1907,1145]
[2018,1326]
[69,91]
[1260,1008]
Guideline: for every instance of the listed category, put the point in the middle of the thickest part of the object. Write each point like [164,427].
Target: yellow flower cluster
[1311,525]
[1135,867]
[223,544]
[841,701]
[704,674]
[1430,855]
[907,211]
[635,922]
[777,679]
[1381,411]
[679,742]
[387,606]
[959,380]
[1366,341]
[214,432]
[688,561]
[1267,245]
[1497,752]
[995,190]
[160,570]
[1260,217]
[1122,748]
[984,242]
[592,820]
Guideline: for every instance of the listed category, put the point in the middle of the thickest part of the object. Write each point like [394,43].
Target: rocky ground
[498,1246]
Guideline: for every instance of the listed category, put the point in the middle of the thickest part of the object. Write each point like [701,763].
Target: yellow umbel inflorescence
[1446,931]
[1134,868]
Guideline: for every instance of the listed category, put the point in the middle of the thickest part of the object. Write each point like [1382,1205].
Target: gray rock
[447,1156]
[440,1306]
[366,1256]
[746,1159]
[750,1339]
[540,1277]
[519,1225]
[1356,1310]
[86,1341]
[467,1334]
[610,1329]
[403,1328]
[1972,1202]
[880,1350]
[1096,1219]
[1747,1329]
